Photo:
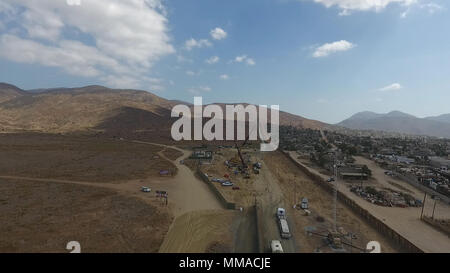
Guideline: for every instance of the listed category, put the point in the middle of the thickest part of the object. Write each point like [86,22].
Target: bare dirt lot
[79,158]
[45,216]
[201,231]
[65,202]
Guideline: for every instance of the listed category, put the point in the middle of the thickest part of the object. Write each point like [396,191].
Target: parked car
[304,204]
[146,189]
[227,184]
[219,180]
[236,188]
[331,179]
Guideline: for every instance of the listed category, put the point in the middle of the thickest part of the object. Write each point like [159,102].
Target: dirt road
[187,192]
[270,197]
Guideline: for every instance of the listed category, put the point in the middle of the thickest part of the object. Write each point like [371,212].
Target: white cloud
[322,101]
[182,59]
[213,60]
[244,58]
[125,81]
[347,6]
[199,90]
[240,59]
[192,43]
[190,73]
[120,43]
[329,48]
[392,87]
[218,34]
[250,61]
[73,2]
[432,7]
[72,56]
[224,77]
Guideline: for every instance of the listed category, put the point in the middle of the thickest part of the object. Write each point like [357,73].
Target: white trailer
[284,228]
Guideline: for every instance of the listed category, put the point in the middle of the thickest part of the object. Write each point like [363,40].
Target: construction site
[258,185]
[214,199]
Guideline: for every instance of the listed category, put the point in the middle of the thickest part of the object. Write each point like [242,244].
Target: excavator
[244,165]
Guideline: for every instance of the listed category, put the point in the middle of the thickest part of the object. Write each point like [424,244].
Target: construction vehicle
[334,239]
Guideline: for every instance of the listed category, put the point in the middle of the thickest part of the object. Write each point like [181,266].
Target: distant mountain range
[98,109]
[400,122]
[101,109]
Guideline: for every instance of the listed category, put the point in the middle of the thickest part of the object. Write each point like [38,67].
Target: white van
[276,247]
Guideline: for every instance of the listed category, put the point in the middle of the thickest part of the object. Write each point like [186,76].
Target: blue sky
[321,59]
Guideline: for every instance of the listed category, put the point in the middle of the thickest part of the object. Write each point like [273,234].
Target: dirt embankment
[200,231]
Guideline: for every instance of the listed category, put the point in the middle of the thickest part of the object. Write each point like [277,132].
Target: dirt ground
[79,158]
[172,154]
[45,216]
[112,216]
[201,231]
[296,185]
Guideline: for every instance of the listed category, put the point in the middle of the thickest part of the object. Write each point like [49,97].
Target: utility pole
[423,205]
[434,207]
[335,195]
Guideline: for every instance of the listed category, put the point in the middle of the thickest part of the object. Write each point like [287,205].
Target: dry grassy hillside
[69,110]
[95,108]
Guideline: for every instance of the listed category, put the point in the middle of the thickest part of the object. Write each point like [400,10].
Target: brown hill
[8,92]
[288,119]
[95,108]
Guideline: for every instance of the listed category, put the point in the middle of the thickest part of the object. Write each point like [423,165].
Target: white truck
[282,222]
[281,213]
